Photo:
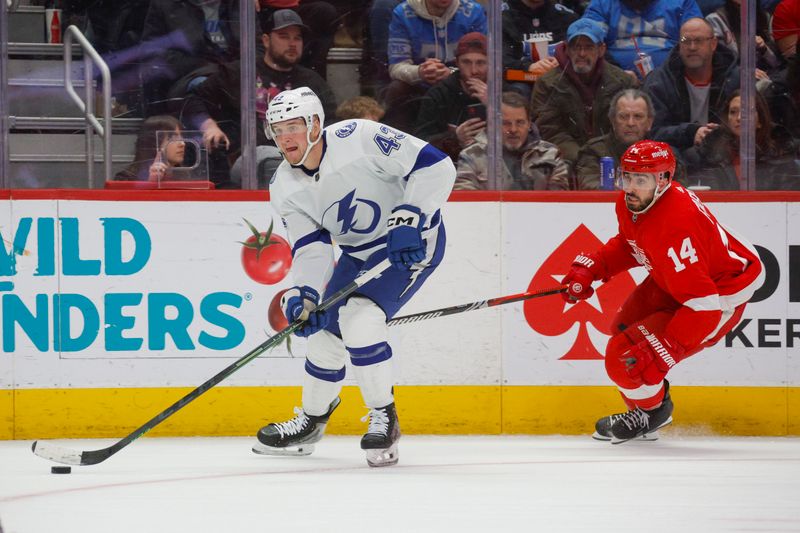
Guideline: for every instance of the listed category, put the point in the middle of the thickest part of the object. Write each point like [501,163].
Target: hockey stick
[463,308]
[70,457]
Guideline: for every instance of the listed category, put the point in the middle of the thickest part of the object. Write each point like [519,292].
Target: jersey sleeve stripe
[321,235]
[641,393]
[706,303]
[731,253]
[427,157]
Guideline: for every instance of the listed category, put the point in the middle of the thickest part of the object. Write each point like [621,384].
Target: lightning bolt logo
[347,211]
[346,214]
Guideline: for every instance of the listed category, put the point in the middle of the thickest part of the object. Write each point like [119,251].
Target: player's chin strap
[310,145]
[656,195]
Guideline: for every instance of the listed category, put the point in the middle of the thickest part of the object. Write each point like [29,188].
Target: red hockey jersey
[703,265]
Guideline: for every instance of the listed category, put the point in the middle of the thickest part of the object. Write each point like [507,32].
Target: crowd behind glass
[580,81]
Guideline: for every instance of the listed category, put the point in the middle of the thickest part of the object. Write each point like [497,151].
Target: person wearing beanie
[453,111]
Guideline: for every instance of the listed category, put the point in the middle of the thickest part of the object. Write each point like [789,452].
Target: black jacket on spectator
[220,97]
[667,88]
[776,166]
[519,20]
[174,32]
[783,97]
[444,106]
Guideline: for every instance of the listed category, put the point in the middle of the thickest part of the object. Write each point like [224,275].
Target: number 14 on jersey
[687,253]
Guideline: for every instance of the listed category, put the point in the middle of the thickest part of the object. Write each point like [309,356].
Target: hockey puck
[61,470]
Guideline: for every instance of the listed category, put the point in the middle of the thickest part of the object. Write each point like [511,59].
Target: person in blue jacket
[648,26]
[423,36]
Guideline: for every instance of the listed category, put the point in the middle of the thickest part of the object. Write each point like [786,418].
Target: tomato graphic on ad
[277,320]
[266,257]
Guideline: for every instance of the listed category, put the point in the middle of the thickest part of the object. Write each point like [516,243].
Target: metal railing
[90,58]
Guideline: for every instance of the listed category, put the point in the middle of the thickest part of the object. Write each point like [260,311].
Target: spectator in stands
[570,104]
[726,22]
[110,26]
[360,107]
[521,21]
[423,35]
[322,21]
[648,26]
[528,162]
[631,114]
[375,59]
[190,39]
[444,118]
[154,162]
[786,27]
[720,165]
[691,89]
[215,106]
[783,96]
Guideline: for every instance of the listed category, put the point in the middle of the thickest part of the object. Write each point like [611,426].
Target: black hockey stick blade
[60,454]
[463,308]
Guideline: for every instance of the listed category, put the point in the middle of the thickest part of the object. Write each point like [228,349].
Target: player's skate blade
[296,451]
[646,437]
[383,457]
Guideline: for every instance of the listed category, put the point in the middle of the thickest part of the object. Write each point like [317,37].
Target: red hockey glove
[649,361]
[578,280]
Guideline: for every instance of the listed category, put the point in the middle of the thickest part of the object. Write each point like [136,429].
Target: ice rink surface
[487,484]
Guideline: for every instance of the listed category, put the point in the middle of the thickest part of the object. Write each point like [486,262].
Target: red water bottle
[53,21]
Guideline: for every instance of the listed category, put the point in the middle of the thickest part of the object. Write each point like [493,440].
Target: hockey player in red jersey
[700,277]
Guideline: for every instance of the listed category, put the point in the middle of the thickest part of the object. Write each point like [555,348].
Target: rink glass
[32,98]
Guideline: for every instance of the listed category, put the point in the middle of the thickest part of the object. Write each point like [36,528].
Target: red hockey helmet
[648,157]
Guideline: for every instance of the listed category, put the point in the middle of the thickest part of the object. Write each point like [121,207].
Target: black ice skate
[638,422]
[380,441]
[293,437]
[651,421]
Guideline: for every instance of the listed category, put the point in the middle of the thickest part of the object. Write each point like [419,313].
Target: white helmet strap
[656,194]
[309,143]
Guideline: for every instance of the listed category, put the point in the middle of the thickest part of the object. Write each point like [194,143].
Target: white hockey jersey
[367,170]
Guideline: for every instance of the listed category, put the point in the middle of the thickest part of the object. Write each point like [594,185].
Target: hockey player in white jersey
[375,191]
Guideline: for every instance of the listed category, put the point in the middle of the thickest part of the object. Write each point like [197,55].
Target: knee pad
[364,331]
[362,323]
[326,352]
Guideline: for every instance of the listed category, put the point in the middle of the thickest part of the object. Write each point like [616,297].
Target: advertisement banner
[165,294]
[549,342]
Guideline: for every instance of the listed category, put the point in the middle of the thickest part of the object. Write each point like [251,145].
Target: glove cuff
[405,215]
[592,263]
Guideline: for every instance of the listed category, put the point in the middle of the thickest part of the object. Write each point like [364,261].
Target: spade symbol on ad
[553,316]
